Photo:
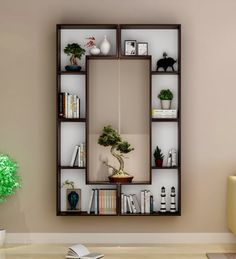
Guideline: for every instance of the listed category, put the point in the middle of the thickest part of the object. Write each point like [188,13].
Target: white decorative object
[105,46]
[95,50]
[163,200]
[172,200]
[174,157]
[165,104]
[2,237]
[169,159]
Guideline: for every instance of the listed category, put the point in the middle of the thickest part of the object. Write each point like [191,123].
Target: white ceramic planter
[2,237]
[94,50]
[165,104]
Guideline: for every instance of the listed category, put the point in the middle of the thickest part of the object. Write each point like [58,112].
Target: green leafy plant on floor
[75,51]
[165,94]
[9,179]
[111,138]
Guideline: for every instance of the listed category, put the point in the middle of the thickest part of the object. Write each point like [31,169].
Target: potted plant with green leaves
[9,182]
[166,97]
[118,147]
[75,51]
[158,157]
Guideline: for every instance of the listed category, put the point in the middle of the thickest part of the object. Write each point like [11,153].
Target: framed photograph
[73,199]
[130,47]
[142,48]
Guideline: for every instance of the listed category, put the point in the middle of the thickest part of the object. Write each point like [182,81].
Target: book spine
[147,201]
[66,105]
[142,202]
[74,106]
[122,203]
[132,204]
[77,107]
[129,204]
[90,202]
[136,203]
[125,204]
[60,102]
[96,201]
[79,156]
[73,158]
[151,204]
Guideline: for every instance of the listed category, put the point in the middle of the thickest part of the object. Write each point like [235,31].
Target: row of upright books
[69,105]
[130,204]
[78,157]
[102,201]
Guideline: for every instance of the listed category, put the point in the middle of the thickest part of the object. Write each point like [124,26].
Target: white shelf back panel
[166,178]
[75,84]
[160,82]
[72,134]
[165,135]
[159,41]
[79,36]
[78,177]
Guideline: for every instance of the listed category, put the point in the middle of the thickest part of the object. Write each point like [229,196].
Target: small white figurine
[172,200]
[163,200]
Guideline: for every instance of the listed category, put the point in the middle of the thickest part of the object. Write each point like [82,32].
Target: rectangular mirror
[119,95]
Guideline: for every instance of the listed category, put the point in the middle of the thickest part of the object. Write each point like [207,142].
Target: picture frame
[142,48]
[130,48]
[73,199]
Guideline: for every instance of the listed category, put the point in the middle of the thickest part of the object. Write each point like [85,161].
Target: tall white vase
[105,46]
[2,236]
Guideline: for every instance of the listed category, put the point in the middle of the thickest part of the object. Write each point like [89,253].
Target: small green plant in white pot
[166,97]
[9,182]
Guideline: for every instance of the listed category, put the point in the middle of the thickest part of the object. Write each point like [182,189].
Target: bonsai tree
[75,51]
[111,138]
[158,156]
[9,180]
[165,94]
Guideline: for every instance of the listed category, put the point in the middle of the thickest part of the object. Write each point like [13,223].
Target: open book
[81,252]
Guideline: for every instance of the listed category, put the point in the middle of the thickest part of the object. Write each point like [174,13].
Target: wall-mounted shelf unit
[164,132]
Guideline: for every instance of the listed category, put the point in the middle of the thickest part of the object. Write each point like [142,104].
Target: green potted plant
[111,138]
[165,96]
[158,157]
[9,182]
[75,51]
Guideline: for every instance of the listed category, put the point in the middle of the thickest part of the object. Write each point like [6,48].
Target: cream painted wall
[27,108]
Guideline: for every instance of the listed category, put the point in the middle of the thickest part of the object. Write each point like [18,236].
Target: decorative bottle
[105,46]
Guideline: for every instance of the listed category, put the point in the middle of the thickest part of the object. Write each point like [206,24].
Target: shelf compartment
[61,119]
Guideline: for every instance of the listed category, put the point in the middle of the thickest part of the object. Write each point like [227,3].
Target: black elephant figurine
[166,62]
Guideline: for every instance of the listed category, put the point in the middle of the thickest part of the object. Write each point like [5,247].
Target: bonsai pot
[159,162]
[165,104]
[2,236]
[73,68]
[120,179]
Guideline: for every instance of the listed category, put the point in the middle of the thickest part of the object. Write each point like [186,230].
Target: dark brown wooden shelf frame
[119,55]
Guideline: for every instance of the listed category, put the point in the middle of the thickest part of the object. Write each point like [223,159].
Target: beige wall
[27,107]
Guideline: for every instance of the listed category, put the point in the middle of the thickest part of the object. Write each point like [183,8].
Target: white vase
[94,50]
[165,104]
[105,46]
[2,237]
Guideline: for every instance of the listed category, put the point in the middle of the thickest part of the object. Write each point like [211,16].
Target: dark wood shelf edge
[109,183]
[71,72]
[72,119]
[165,119]
[165,167]
[72,167]
[156,214]
[82,213]
[165,73]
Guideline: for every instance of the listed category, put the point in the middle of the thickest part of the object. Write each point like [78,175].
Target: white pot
[2,236]
[94,50]
[105,46]
[165,104]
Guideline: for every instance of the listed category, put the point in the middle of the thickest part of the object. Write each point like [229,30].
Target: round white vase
[2,237]
[165,104]
[94,51]
[105,46]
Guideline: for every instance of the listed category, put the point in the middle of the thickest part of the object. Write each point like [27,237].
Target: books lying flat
[81,252]
[156,113]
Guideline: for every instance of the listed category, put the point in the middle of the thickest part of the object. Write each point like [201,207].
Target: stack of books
[157,113]
[130,204]
[102,201]
[69,105]
[79,153]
